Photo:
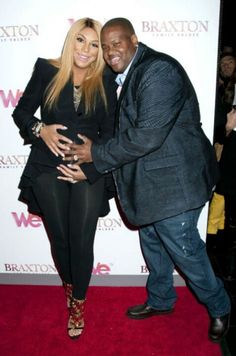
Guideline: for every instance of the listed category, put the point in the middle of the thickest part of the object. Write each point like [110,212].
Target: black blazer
[162,161]
[98,125]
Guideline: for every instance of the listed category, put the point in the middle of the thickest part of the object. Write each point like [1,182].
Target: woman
[71,93]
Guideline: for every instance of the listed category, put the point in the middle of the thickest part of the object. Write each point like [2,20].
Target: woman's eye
[95,45]
[79,39]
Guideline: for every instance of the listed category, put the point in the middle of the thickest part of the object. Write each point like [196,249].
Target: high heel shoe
[68,292]
[76,319]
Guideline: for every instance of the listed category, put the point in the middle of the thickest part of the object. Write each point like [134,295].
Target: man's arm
[160,97]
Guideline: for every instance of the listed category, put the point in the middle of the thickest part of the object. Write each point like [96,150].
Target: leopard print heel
[76,319]
[68,292]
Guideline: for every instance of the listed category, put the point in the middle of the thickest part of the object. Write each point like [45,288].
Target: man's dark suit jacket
[98,126]
[162,161]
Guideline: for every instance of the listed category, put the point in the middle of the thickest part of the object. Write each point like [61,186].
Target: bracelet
[37,128]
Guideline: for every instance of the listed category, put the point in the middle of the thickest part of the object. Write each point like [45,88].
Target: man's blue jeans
[176,242]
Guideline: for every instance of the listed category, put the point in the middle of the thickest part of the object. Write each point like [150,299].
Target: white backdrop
[185,29]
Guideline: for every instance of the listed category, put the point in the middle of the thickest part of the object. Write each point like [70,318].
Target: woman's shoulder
[45,65]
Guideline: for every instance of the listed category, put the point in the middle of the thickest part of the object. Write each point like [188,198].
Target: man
[164,168]
[227,65]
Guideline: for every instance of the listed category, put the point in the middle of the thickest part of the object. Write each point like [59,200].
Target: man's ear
[134,40]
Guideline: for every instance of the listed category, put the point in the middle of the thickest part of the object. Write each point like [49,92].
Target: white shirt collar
[121,76]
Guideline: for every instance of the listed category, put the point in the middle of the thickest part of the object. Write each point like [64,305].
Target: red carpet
[33,322]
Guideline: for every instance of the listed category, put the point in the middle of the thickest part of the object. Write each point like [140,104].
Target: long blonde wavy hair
[92,84]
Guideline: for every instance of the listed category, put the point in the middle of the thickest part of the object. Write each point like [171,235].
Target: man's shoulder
[151,60]
[150,54]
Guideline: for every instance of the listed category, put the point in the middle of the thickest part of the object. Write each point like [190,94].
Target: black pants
[70,214]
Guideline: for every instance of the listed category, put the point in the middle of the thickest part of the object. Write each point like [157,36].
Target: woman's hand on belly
[71,173]
[57,143]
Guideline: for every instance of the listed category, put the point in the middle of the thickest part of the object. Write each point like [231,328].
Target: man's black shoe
[144,311]
[219,327]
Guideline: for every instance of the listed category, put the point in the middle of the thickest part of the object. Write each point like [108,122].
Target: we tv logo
[28,220]
[10,98]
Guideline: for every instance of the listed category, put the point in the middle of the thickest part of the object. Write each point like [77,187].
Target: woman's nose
[86,47]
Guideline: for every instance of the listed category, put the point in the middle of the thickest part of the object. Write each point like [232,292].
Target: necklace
[77,96]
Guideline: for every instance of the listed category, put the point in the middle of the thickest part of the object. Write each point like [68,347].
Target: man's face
[118,47]
[227,66]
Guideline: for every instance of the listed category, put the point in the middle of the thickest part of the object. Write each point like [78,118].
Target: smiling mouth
[114,61]
[83,58]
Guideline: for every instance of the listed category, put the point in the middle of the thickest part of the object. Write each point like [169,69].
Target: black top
[98,125]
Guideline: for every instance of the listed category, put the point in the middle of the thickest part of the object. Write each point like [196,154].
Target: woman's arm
[24,113]
[31,127]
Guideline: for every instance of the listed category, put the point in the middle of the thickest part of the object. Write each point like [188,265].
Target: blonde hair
[92,84]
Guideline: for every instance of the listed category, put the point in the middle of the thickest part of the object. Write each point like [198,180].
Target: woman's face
[86,48]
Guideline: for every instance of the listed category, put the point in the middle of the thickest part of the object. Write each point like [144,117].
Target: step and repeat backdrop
[185,29]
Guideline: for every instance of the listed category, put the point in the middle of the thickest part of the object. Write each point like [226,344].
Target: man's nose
[109,50]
